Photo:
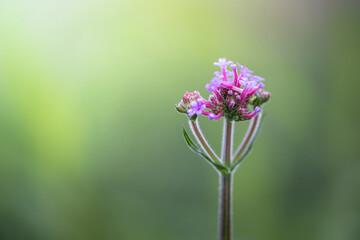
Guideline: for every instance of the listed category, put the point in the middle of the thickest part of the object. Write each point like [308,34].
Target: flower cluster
[236,94]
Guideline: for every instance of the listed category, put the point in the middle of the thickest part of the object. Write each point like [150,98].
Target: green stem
[252,130]
[225,195]
[227,142]
[202,141]
[225,183]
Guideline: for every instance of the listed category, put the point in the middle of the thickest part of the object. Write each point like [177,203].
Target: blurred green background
[91,147]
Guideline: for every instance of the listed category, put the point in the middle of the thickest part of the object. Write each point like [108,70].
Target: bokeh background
[91,147]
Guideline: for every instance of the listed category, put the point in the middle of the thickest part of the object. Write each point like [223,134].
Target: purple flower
[250,84]
[230,76]
[212,116]
[225,75]
[235,93]
[254,89]
[223,63]
[250,88]
[229,73]
[214,84]
[244,81]
[196,107]
[221,75]
[256,78]
[253,114]
[244,70]
[218,75]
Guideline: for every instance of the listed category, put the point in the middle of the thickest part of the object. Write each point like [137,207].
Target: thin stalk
[227,142]
[194,125]
[225,211]
[225,182]
[254,125]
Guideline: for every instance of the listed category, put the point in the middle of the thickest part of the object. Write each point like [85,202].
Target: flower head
[184,104]
[235,95]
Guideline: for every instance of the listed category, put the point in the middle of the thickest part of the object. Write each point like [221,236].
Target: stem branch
[254,125]
[227,142]
[194,125]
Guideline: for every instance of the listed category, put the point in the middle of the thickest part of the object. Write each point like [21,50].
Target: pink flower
[236,96]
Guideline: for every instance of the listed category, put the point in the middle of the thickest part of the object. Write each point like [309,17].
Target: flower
[244,70]
[256,78]
[235,95]
[222,63]
[196,108]
[226,76]
[184,104]
[212,116]
[251,115]
[214,84]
